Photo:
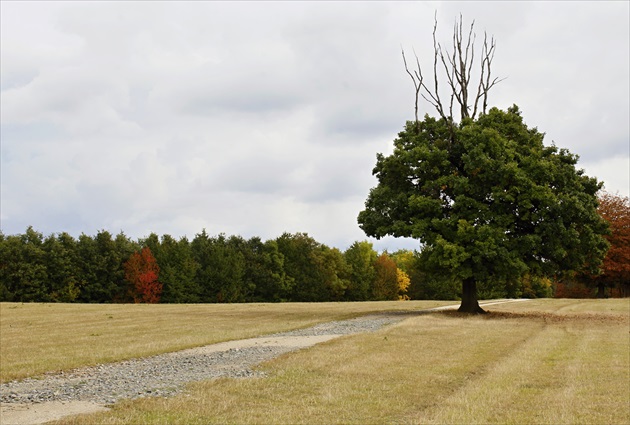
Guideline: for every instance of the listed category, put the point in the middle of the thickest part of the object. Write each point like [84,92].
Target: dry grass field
[39,338]
[541,361]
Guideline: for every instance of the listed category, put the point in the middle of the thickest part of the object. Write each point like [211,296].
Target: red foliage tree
[142,271]
[616,268]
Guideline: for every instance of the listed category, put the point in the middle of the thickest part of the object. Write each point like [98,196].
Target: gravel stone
[166,375]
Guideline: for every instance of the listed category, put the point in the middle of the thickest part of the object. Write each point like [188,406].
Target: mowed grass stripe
[567,374]
[517,378]
[40,338]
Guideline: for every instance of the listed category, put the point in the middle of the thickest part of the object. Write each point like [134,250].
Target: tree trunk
[469,298]
[601,291]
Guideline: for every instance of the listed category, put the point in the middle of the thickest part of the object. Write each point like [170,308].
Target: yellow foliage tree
[403,284]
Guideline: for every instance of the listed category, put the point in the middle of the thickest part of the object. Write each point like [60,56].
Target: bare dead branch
[451,75]
[458,67]
[485,82]
[437,103]
[416,77]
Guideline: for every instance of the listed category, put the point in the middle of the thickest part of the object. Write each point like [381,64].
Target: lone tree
[485,197]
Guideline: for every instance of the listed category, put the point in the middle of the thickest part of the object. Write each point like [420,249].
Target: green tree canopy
[23,274]
[360,257]
[488,200]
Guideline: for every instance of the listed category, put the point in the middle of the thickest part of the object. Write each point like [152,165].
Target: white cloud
[260,118]
[613,171]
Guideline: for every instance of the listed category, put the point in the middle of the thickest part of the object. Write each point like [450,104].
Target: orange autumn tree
[142,271]
[615,209]
[390,282]
[385,284]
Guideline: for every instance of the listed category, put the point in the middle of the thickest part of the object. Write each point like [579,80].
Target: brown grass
[564,362]
[40,338]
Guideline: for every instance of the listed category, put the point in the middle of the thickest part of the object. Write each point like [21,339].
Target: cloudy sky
[257,118]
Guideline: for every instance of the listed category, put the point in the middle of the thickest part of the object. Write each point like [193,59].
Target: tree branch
[416,83]
[458,68]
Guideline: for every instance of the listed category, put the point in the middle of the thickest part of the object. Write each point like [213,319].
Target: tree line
[207,269]
[217,269]
[293,267]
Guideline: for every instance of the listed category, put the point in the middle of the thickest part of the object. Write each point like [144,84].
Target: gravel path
[166,374]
